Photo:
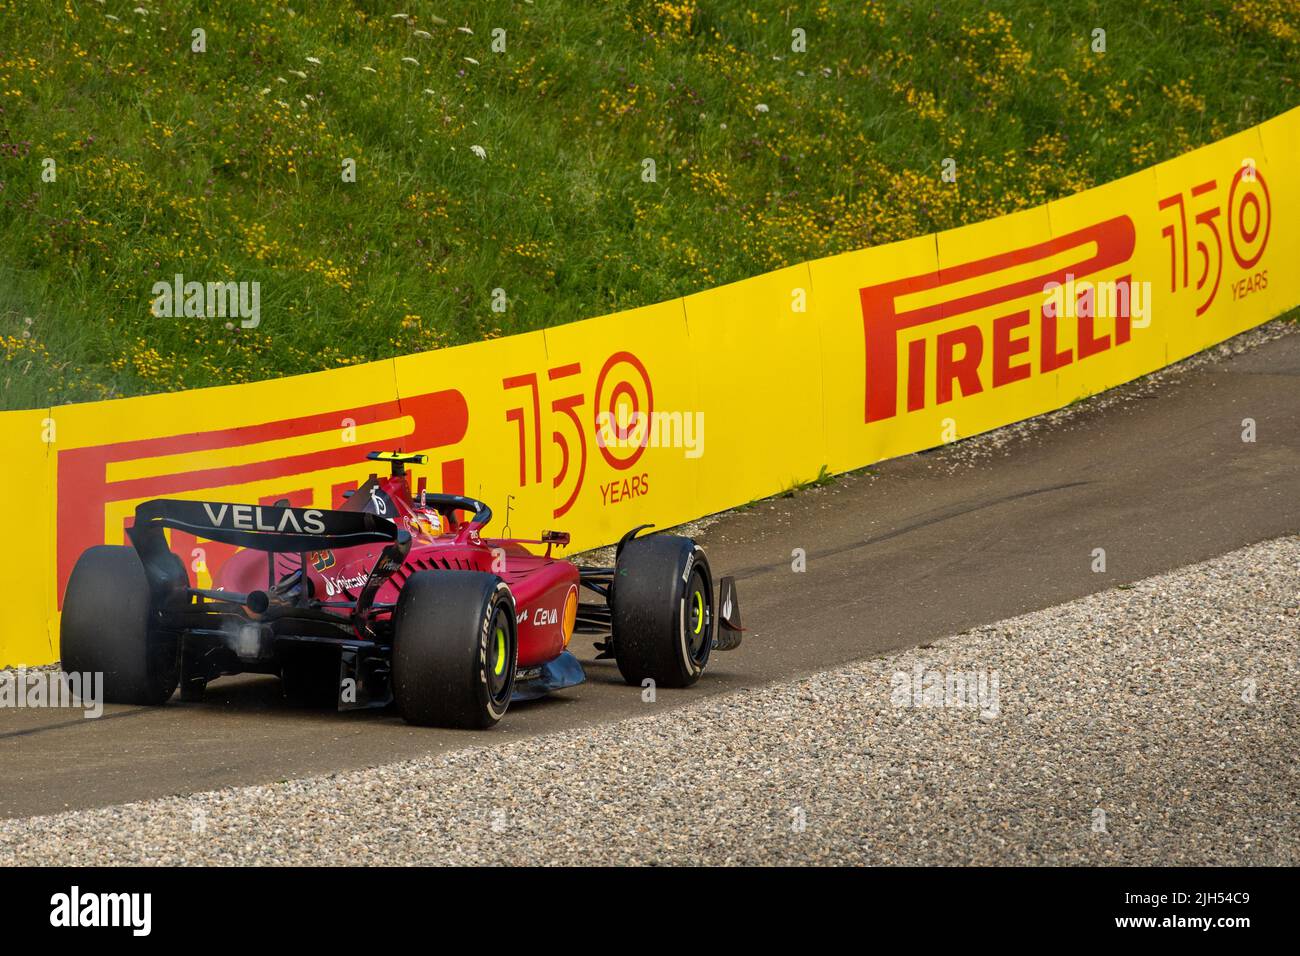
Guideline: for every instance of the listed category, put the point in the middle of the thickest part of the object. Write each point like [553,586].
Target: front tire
[107,627]
[455,649]
[662,611]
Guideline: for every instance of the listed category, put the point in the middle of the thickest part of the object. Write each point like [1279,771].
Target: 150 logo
[622,403]
[1248,218]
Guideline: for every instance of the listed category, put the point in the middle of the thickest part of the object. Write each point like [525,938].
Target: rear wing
[261,527]
[270,528]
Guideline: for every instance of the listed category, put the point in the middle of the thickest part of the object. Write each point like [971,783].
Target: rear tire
[662,611]
[455,649]
[107,627]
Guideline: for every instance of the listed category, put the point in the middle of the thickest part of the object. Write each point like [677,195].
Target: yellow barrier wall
[838,362]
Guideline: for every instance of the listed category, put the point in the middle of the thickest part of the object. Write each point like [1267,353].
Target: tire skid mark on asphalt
[946,514]
[75,722]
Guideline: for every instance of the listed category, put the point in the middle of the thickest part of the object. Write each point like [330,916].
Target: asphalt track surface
[916,549]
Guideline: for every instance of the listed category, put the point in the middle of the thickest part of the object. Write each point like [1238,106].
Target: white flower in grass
[466,30]
[370,69]
[109,16]
[299,73]
[410,59]
[430,92]
[312,59]
[479,151]
[470,59]
[398,16]
[141,10]
[423,34]
[265,91]
[761,108]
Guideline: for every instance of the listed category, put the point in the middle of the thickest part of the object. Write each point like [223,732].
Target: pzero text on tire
[107,627]
[455,649]
[662,611]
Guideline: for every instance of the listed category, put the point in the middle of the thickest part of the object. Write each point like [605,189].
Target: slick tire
[663,613]
[107,627]
[455,649]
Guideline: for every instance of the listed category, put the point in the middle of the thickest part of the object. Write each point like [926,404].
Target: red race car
[392,597]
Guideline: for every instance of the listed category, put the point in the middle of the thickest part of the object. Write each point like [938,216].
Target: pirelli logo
[282,453]
[914,318]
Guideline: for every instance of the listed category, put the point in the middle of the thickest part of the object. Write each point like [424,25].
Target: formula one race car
[391,597]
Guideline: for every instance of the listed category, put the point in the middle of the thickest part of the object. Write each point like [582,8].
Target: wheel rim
[500,651]
[699,619]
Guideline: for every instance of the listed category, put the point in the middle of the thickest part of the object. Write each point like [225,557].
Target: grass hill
[504,145]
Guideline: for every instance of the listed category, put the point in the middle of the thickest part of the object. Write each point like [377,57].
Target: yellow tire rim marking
[501,652]
[699,612]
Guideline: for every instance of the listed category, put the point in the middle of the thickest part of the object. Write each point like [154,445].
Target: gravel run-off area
[1150,724]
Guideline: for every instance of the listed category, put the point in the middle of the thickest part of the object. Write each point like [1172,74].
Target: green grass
[225,165]
[824,478]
